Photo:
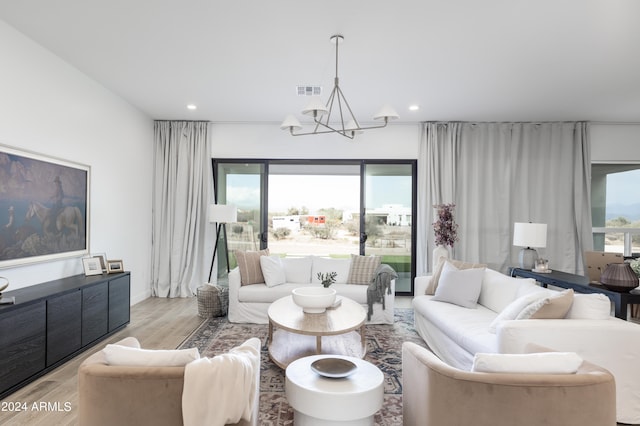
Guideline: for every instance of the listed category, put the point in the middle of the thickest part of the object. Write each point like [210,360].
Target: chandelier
[347,125]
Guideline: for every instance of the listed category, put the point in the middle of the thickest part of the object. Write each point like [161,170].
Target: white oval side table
[321,401]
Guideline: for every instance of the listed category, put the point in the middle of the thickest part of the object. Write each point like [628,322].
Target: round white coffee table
[320,401]
[298,334]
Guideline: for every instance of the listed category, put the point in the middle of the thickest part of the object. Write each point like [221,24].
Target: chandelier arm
[353,117]
[346,134]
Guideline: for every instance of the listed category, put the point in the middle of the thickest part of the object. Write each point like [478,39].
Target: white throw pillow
[514,308]
[590,306]
[537,363]
[124,355]
[272,270]
[498,290]
[324,265]
[459,286]
[297,269]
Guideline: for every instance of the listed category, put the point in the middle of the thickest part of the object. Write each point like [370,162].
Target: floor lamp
[221,214]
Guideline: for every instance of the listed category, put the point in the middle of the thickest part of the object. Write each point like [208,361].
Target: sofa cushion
[459,286]
[324,265]
[534,363]
[435,278]
[260,293]
[362,269]
[297,269]
[590,306]
[249,266]
[467,328]
[553,307]
[499,290]
[272,270]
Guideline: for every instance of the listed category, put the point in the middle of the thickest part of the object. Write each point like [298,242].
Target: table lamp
[528,236]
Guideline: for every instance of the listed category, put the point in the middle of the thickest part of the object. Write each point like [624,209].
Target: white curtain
[182,190]
[501,173]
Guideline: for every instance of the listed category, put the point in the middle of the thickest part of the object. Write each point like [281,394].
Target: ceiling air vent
[309,90]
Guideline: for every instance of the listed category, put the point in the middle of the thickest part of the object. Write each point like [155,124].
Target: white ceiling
[240,60]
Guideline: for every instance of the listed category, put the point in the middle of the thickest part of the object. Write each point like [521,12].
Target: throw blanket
[381,283]
[221,389]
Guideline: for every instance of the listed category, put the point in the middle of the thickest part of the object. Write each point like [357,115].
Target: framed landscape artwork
[44,208]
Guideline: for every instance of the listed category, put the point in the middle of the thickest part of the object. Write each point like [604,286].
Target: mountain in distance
[630,211]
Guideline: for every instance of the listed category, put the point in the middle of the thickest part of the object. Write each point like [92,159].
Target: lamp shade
[221,213]
[315,108]
[386,112]
[530,234]
[290,122]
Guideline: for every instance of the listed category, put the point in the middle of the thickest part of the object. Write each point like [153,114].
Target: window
[331,208]
[615,208]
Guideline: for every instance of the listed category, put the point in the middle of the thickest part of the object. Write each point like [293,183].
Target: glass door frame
[264,201]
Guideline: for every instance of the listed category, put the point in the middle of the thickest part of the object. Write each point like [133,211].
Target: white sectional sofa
[248,303]
[455,333]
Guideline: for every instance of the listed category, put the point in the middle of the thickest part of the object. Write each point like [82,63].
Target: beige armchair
[140,396]
[435,394]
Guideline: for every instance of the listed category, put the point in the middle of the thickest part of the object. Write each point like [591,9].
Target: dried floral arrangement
[445,228]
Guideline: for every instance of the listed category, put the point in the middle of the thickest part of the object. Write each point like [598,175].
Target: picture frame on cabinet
[114,266]
[91,266]
[103,260]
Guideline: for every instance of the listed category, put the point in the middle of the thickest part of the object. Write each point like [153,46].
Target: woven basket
[213,301]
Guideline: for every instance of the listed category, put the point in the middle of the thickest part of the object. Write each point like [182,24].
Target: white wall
[49,107]
[268,141]
[615,143]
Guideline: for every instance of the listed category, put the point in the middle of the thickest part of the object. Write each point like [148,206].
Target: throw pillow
[272,270]
[435,278]
[298,269]
[551,307]
[459,286]
[324,265]
[125,355]
[249,265]
[498,290]
[514,308]
[537,363]
[362,269]
[590,306]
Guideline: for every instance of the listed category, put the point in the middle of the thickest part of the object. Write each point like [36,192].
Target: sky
[316,192]
[623,188]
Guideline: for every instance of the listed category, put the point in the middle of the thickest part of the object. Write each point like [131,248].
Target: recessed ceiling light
[192,107]
[414,107]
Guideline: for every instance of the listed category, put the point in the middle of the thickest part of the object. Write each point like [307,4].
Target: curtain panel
[181,194]
[501,173]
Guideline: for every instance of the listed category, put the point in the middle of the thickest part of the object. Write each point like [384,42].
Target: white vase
[438,252]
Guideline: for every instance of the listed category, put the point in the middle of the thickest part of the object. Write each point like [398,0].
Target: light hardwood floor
[158,323]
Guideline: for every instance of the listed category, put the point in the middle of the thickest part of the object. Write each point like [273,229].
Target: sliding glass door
[388,218]
[329,208]
[243,185]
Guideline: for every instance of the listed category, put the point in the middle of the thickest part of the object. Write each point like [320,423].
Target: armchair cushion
[134,356]
[534,363]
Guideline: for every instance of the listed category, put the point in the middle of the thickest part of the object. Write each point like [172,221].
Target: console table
[54,321]
[581,284]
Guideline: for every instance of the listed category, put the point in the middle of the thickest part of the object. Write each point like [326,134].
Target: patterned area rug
[384,349]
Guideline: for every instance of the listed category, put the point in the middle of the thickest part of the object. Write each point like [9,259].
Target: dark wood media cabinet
[54,321]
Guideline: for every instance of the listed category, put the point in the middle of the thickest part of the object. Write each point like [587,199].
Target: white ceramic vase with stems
[438,252]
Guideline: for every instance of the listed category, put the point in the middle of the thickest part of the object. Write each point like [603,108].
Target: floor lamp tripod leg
[215,248]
